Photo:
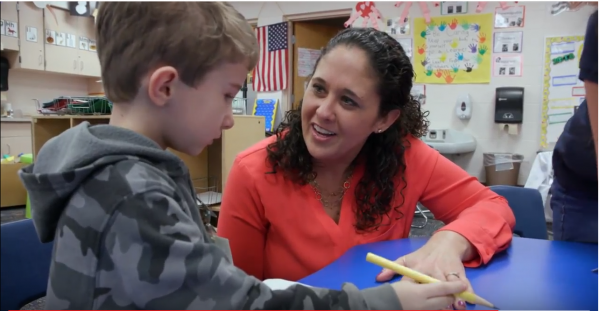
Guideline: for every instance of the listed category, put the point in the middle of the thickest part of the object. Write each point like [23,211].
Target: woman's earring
[379,131]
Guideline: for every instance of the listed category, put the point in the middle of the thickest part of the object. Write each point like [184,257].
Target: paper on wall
[307,58]
[418,92]
[508,66]
[406,44]
[394,28]
[561,86]
[512,16]
[508,42]
[454,7]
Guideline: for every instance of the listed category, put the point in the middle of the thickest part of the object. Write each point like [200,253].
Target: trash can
[502,168]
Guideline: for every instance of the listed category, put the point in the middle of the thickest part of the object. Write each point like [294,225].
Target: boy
[121,210]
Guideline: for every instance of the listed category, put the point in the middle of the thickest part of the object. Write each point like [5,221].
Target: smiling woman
[348,168]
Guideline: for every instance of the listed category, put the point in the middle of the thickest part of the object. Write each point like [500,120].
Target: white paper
[2,27]
[84,43]
[508,66]
[418,92]
[71,40]
[280,284]
[562,48]
[454,7]
[393,27]
[307,58]
[406,44]
[512,16]
[560,110]
[508,42]
[11,29]
[50,37]
[32,34]
[61,39]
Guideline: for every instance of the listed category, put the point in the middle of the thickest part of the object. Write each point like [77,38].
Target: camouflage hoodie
[127,234]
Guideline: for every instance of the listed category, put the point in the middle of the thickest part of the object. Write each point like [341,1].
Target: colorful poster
[453,49]
[562,90]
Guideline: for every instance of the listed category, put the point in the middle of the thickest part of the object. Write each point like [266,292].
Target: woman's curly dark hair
[383,154]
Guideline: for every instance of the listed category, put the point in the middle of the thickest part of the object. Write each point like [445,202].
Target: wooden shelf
[214,162]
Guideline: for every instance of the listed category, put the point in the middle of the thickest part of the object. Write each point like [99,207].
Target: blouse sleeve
[467,207]
[242,221]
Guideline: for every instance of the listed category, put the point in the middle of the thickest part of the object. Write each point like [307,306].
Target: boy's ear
[161,85]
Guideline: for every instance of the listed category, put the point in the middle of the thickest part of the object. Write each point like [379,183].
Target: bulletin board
[563,91]
[453,49]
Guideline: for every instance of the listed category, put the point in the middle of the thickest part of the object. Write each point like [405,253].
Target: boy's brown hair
[193,37]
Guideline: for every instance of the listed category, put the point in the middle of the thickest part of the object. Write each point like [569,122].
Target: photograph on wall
[508,65]
[510,17]
[454,7]
[508,42]
[395,28]
[453,49]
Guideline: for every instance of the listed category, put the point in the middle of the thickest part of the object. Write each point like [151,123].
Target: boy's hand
[434,296]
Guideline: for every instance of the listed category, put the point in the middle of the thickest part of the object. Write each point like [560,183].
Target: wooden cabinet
[51,40]
[31,30]
[60,41]
[89,64]
[10,16]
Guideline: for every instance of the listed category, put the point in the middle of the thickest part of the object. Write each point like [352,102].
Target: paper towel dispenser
[509,105]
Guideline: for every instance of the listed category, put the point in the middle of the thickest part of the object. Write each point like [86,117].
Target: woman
[574,200]
[348,168]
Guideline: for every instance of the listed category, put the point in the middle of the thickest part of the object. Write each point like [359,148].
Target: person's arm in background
[242,221]
[468,208]
[588,73]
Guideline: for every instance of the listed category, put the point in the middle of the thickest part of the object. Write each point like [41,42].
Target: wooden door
[312,35]
[31,29]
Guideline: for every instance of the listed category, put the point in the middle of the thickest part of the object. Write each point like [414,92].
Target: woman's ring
[453,273]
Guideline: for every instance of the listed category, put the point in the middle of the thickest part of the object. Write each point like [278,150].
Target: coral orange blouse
[278,229]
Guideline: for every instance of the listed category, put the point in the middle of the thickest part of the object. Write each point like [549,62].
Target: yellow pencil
[422,278]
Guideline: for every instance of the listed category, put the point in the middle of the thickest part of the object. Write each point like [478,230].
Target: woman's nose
[326,110]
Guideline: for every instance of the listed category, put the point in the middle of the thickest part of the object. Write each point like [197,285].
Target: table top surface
[530,275]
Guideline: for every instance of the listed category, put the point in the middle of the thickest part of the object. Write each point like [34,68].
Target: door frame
[304,17]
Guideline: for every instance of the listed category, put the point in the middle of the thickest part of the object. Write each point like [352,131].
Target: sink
[448,141]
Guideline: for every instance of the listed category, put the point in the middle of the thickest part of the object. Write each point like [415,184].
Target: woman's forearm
[455,243]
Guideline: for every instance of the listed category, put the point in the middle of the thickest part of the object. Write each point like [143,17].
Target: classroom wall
[441,98]
[23,87]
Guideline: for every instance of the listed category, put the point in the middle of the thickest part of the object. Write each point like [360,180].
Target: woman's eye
[318,88]
[348,101]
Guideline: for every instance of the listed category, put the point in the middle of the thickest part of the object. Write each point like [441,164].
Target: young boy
[120,208]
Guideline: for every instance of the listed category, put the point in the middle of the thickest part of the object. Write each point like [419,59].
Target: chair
[25,264]
[528,208]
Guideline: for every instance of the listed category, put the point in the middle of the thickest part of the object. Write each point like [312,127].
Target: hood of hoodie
[67,160]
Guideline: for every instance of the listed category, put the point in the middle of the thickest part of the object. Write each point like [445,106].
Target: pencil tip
[495,308]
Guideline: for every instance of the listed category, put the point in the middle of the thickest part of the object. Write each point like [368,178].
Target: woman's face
[340,108]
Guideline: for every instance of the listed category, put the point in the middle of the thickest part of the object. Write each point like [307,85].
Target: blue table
[530,275]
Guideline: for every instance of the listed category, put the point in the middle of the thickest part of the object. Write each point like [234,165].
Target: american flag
[271,72]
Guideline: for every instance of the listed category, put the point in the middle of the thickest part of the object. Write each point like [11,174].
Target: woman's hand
[441,258]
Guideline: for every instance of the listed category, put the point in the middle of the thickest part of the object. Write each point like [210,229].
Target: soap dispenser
[464,107]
